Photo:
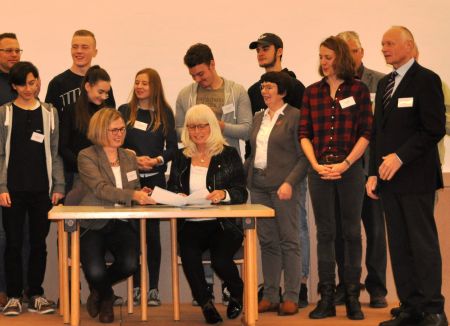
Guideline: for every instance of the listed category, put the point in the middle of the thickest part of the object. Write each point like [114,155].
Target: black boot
[325,307]
[107,309]
[93,303]
[352,304]
[210,313]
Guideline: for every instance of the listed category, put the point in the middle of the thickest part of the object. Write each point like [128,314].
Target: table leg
[249,277]
[175,276]
[130,294]
[75,274]
[65,303]
[143,240]
[60,224]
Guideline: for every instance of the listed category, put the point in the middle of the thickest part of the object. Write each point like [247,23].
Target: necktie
[389,88]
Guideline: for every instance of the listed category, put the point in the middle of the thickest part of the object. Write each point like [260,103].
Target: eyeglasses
[267,87]
[200,127]
[116,131]
[10,51]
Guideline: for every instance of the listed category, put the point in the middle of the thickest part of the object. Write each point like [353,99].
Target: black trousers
[36,205]
[326,195]
[376,252]
[196,237]
[117,237]
[153,237]
[414,249]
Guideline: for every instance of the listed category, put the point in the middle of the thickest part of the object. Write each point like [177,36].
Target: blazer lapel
[105,165]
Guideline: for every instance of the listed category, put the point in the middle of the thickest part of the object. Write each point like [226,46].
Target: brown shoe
[287,308]
[3,299]
[266,306]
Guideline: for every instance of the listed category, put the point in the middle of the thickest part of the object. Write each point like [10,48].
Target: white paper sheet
[163,196]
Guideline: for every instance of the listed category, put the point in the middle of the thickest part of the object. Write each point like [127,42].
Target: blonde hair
[199,114]
[99,124]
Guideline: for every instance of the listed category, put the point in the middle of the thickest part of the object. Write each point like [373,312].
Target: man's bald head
[398,46]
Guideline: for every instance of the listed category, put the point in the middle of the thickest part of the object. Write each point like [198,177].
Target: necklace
[115,163]
[202,157]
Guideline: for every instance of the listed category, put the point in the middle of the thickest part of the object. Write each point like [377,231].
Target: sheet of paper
[163,196]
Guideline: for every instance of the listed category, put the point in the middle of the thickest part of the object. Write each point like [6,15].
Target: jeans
[344,195]
[153,237]
[37,205]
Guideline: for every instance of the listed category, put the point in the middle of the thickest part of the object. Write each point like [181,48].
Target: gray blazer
[98,185]
[286,161]
[371,78]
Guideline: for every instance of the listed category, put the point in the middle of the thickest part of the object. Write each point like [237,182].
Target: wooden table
[68,216]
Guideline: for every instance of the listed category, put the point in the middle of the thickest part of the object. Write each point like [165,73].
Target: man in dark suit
[372,213]
[405,171]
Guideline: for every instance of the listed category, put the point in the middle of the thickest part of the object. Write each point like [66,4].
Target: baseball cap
[267,39]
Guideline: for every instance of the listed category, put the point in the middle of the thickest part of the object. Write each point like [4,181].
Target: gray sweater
[237,123]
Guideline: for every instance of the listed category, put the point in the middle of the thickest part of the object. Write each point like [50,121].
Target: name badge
[405,102]
[132,175]
[372,97]
[346,102]
[228,108]
[140,125]
[37,137]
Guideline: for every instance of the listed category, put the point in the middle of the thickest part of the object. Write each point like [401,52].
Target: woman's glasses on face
[200,126]
[116,131]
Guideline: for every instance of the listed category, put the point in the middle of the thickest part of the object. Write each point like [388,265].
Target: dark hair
[19,72]
[344,66]
[157,99]
[8,35]
[281,79]
[82,116]
[197,54]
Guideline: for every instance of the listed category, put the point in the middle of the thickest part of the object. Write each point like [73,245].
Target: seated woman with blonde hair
[109,177]
[206,162]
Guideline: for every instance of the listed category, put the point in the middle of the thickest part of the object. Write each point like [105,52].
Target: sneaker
[154,298]
[13,307]
[225,296]
[118,300]
[210,289]
[136,296]
[41,305]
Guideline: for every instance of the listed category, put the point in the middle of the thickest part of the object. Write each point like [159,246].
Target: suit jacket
[370,78]
[410,132]
[98,182]
[286,161]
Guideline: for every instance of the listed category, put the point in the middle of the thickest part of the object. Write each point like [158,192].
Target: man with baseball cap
[269,51]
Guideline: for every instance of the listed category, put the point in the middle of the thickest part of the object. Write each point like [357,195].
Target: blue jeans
[304,230]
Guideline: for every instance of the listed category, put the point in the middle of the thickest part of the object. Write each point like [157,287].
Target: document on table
[163,196]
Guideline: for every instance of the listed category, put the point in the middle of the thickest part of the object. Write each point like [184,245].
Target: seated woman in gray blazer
[109,176]
[274,171]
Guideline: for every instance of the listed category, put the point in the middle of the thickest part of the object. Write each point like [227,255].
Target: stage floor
[192,316]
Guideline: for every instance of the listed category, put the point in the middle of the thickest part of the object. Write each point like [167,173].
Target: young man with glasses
[228,100]
[10,52]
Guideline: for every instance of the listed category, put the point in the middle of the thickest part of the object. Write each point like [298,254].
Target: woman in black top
[75,119]
[151,135]
[207,164]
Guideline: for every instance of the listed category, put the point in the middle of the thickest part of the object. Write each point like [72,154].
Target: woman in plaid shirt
[335,128]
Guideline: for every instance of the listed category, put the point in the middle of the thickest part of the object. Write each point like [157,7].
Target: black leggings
[117,237]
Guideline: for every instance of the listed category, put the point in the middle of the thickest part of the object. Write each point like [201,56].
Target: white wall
[135,34]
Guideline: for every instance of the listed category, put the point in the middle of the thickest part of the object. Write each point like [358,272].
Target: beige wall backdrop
[136,34]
